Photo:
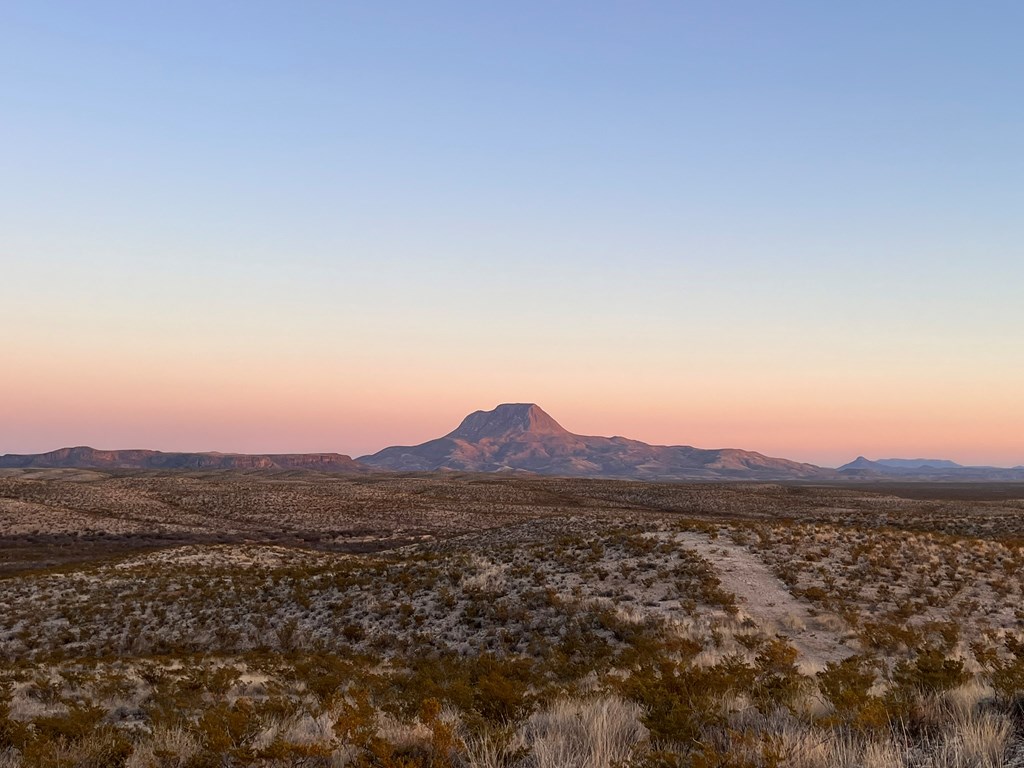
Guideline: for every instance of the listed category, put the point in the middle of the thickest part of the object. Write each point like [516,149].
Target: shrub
[846,686]
[75,725]
[228,729]
[356,722]
[777,681]
[1006,675]
[12,733]
[487,688]
[930,672]
[678,698]
[103,748]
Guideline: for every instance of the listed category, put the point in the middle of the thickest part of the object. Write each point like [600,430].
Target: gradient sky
[792,227]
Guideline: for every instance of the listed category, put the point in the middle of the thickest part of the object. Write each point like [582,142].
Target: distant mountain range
[521,437]
[926,469]
[90,458]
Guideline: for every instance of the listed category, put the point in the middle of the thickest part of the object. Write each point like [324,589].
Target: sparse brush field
[300,619]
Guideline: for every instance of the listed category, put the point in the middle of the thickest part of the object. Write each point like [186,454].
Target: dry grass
[159,620]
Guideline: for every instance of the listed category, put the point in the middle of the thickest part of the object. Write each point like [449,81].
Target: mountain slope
[522,437]
[89,458]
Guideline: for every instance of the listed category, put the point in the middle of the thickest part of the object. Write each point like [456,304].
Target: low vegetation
[232,619]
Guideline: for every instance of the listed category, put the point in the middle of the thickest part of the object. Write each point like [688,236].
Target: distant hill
[522,437]
[920,463]
[90,458]
[926,469]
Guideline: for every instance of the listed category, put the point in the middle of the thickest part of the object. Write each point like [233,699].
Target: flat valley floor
[193,619]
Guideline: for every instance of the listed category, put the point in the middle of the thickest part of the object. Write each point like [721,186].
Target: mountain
[927,469]
[90,458]
[522,437]
[919,464]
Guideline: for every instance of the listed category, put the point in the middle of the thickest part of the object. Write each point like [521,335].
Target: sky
[790,227]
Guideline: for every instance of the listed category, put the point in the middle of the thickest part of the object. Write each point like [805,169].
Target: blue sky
[749,223]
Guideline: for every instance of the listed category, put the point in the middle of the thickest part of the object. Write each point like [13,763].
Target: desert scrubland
[294,618]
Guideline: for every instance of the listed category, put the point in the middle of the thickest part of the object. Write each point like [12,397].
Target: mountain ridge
[942,470]
[85,457]
[523,437]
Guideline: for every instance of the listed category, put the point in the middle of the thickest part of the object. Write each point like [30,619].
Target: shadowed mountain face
[90,458]
[927,469]
[522,437]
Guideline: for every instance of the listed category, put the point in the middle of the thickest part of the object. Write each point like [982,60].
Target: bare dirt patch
[762,595]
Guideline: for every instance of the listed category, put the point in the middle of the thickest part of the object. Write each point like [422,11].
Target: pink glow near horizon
[247,408]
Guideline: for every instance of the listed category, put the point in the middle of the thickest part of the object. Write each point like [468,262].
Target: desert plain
[201,618]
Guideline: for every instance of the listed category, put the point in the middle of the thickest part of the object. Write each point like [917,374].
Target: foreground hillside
[301,619]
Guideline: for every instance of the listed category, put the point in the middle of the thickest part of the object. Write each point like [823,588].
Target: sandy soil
[765,598]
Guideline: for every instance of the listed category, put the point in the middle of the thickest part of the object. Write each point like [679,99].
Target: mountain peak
[902,465]
[859,463]
[507,419]
[522,437]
